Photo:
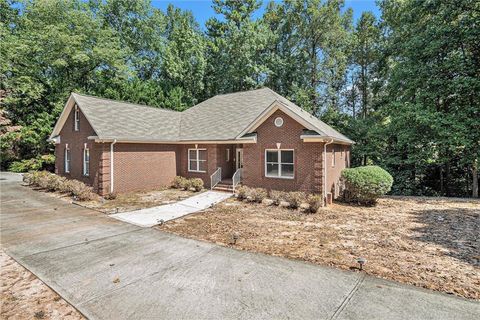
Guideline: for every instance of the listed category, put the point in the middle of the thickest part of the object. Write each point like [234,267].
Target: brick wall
[342,160]
[76,141]
[141,166]
[308,168]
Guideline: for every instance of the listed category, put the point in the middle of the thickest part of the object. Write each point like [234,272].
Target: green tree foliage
[236,48]
[433,95]
[311,42]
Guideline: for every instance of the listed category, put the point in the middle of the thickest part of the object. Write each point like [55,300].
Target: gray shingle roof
[120,120]
[222,117]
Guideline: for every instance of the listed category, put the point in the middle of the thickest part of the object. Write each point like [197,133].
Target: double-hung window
[86,162]
[333,157]
[76,121]
[279,164]
[67,159]
[197,160]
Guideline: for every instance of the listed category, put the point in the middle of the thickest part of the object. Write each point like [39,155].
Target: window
[67,159]
[86,162]
[77,119]
[197,160]
[278,122]
[279,164]
[333,157]
[228,155]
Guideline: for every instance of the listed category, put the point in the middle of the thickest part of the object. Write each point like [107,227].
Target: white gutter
[325,171]
[111,165]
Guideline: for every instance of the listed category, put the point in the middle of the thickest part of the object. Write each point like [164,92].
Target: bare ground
[427,242]
[24,296]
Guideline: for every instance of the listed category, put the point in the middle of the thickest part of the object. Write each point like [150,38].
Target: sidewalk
[152,216]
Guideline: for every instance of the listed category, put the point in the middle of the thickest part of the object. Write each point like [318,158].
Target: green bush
[34,164]
[196,183]
[365,184]
[180,183]
[315,201]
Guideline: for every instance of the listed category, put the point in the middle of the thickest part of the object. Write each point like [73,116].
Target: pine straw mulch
[24,296]
[427,242]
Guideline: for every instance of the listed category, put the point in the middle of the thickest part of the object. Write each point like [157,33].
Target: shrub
[81,191]
[258,194]
[180,182]
[365,184]
[110,196]
[242,192]
[278,196]
[33,164]
[315,202]
[54,182]
[295,198]
[195,183]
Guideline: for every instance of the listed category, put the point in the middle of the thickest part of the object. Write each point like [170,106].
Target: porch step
[224,186]
[226,189]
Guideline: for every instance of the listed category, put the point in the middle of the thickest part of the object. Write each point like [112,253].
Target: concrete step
[222,188]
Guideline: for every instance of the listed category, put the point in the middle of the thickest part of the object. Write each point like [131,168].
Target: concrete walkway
[109,269]
[156,215]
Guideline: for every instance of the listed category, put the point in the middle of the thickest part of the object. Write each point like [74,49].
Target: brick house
[256,137]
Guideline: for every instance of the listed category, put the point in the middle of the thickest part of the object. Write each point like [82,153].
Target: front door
[239,158]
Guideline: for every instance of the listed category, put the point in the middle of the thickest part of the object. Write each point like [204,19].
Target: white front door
[239,158]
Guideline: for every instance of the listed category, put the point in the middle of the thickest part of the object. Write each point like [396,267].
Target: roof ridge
[245,91]
[126,102]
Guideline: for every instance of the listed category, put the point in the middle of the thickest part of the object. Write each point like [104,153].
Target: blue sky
[202,9]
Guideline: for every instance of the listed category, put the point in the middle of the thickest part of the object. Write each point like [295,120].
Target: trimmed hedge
[365,184]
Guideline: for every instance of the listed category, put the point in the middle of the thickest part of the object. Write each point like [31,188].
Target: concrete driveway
[79,253]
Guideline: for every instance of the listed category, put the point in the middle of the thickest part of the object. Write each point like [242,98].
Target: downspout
[325,172]
[111,165]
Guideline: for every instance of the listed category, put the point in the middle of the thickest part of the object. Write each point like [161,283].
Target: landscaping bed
[83,195]
[428,242]
[24,296]
[137,200]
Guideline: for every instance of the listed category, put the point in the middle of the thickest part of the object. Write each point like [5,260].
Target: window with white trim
[77,119]
[86,162]
[67,159]
[279,163]
[197,160]
[228,155]
[333,157]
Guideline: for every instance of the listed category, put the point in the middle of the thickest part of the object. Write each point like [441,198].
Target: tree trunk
[475,179]
[447,177]
[442,184]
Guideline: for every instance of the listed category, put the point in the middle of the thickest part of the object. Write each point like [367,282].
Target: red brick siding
[307,163]
[76,141]
[140,166]
[342,159]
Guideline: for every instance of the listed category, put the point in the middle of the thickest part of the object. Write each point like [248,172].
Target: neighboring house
[259,136]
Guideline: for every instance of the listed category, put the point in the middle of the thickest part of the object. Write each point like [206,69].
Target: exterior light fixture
[361,261]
